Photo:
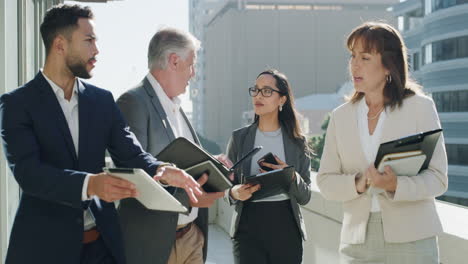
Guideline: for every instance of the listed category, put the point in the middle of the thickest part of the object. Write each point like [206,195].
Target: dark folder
[425,142]
[195,160]
[271,182]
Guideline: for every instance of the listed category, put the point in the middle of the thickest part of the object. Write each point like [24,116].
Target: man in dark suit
[154,114]
[55,132]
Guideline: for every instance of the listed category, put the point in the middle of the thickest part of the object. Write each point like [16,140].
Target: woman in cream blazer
[401,224]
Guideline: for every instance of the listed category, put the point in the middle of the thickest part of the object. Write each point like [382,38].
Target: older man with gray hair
[153,112]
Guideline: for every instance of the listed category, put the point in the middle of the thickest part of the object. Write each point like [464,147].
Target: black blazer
[242,141]
[48,227]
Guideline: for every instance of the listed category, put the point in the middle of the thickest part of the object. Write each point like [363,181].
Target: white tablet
[151,194]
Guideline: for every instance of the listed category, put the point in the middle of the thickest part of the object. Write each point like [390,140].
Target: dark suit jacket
[48,226]
[149,235]
[242,141]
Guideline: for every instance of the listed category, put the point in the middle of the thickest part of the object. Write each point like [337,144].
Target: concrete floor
[219,246]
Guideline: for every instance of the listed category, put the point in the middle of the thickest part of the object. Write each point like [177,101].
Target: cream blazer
[409,213]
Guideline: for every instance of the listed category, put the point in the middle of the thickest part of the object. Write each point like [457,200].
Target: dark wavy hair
[386,40]
[288,117]
[62,19]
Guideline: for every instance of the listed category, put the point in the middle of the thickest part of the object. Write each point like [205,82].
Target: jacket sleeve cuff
[84,191]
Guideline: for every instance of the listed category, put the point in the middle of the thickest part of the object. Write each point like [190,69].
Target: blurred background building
[436,33]
[240,38]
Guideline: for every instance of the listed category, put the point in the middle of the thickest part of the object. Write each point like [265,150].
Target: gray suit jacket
[149,235]
[242,141]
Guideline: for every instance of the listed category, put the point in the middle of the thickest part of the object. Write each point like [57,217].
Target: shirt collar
[165,100]
[363,109]
[362,106]
[59,91]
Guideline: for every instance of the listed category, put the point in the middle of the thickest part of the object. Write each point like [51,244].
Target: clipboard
[425,142]
[271,182]
[216,180]
[187,156]
[151,194]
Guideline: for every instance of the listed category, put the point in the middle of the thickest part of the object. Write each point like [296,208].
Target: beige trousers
[189,248]
[376,251]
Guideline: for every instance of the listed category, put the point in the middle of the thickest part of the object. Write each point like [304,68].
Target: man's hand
[227,162]
[224,160]
[179,178]
[110,188]
[243,192]
[205,200]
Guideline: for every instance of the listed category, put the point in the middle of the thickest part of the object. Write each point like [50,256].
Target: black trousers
[267,234]
[96,253]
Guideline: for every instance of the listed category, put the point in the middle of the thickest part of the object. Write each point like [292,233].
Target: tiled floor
[219,246]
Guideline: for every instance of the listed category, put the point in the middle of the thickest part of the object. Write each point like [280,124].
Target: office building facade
[436,33]
[305,40]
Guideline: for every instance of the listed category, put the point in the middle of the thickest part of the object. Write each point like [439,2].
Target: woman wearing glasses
[271,229]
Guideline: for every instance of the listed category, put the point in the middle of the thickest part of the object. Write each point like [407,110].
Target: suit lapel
[289,149]
[352,133]
[158,108]
[194,134]
[85,110]
[391,121]
[54,112]
[248,145]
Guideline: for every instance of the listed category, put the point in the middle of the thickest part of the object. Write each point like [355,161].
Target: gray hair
[167,41]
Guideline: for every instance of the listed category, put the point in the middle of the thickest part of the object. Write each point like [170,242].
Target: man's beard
[78,68]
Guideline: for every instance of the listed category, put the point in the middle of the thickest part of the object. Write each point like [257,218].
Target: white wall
[21,55]
[8,79]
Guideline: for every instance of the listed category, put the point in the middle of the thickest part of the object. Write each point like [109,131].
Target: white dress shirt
[370,143]
[70,111]
[179,127]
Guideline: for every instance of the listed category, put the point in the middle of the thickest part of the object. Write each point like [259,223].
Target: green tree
[316,144]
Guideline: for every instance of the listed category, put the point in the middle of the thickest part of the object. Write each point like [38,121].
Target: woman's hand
[361,182]
[281,165]
[386,180]
[243,192]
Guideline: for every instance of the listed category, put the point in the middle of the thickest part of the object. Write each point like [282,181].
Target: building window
[427,54]
[293,7]
[442,4]
[447,49]
[451,101]
[457,153]
[415,61]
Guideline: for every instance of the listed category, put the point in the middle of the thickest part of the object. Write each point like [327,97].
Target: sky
[124,29]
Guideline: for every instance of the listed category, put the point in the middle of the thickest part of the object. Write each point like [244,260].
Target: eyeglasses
[266,91]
